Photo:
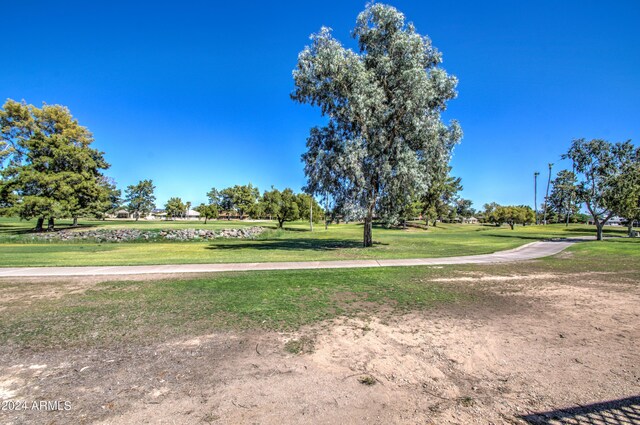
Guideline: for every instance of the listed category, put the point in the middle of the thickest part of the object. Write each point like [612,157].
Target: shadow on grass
[291,245]
[24,230]
[560,238]
[622,411]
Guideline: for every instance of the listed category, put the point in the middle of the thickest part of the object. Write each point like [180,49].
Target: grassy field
[18,247]
[77,312]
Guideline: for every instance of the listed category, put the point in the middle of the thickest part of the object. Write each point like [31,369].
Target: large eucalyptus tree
[385,139]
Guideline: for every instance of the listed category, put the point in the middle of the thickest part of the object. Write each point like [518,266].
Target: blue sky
[196,94]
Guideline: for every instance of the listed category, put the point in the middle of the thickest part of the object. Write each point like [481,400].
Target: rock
[132,235]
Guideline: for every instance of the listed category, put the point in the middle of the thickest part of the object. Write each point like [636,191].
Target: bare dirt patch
[531,343]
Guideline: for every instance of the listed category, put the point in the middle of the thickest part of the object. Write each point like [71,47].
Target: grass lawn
[340,242]
[76,312]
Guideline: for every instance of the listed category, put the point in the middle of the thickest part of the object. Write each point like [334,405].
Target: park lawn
[295,243]
[75,312]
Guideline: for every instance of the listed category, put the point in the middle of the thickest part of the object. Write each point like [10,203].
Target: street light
[535,194]
[546,197]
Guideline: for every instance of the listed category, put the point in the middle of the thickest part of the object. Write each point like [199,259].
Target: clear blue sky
[196,94]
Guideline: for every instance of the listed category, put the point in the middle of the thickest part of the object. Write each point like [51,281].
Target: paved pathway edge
[529,251]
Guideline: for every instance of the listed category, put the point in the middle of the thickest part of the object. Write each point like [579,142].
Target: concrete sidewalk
[526,252]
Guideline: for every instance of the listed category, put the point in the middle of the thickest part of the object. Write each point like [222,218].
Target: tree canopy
[239,198]
[510,215]
[440,198]
[208,211]
[49,169]
[282,206]
[563,202]
[140,198]
[175,208]
[600,171]
[385,140]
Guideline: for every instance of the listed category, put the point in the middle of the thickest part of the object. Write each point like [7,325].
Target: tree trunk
[368,230]
[205,219]
[75,222]
[280,224]
[50,224]
[512,225]
[39,224]
[435,223]
[599,227]
[630,228]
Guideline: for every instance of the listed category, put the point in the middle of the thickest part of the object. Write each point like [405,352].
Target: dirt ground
[532,346]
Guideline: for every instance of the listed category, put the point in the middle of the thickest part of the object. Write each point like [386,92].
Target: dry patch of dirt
[532,343]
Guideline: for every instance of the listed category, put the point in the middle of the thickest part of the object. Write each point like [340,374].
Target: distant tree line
[245,200]
[49,170]
[604,178]
[511,215]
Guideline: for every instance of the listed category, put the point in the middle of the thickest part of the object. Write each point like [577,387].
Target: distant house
[192,215]
[613,221]
[616,221]
[470,220]
[121,214]
[158,214]
[228,215]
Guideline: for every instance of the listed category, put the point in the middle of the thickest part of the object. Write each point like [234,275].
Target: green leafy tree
[439,200]
[563,202]
[271,202]
[257,211]
[208,211]
[282,206]
[245,198]
[240,199]
[410,211]
[510,215]
[110,198]
[385,138]
[599,165]
[464,209]
[226,197]
[487,215]
[140,198]
[174,208]
[49,169]
[305,204]
[625,186]
[215,198]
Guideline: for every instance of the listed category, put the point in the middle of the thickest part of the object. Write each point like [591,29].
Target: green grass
[296,243]
[125,312]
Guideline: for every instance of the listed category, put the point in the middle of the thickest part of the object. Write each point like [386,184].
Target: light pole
[546,196]
[535,194]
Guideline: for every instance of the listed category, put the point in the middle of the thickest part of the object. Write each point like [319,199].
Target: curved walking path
[525,252]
